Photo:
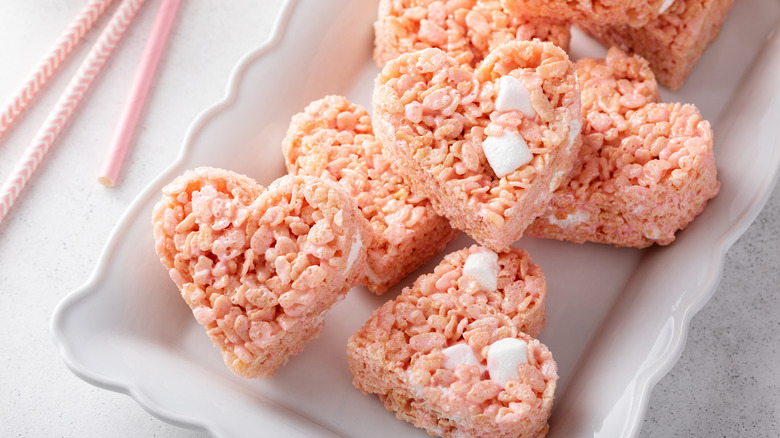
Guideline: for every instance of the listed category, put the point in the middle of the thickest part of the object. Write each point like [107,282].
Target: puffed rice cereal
[673,42]
[333,139]
[457,356]
[486,146]
[646,169]
[467,29]
[259,267]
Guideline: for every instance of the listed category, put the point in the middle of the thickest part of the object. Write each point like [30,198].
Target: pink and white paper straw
[66,42]
[67,103]
[139,89]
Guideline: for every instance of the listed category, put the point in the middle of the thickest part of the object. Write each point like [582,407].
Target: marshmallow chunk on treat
[575,129]
[503,358]
[513,95]
[483,265]
[354,251]
[665,6]
[507,153]
[458,354]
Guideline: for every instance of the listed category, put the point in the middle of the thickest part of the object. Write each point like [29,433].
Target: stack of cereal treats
[482,124]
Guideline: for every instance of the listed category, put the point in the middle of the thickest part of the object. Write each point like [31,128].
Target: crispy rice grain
[333,139]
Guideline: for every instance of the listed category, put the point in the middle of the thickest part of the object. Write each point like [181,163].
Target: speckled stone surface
[727,381]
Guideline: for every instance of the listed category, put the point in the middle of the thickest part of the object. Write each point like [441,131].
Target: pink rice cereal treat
[646,169]
[674,41]
[486,146]
[467,29]
[259,268]
[602,12]
[455,353]
[333,139]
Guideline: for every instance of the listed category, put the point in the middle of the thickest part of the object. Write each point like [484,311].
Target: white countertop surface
[725,384]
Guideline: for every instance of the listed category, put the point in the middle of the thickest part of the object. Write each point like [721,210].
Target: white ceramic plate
[617,317]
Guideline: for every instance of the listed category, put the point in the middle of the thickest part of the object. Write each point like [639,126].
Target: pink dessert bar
[646,169]
[259,267]
[333,139]
[486,146]
[674,41]
[602,12]
[467,29]
[456,354]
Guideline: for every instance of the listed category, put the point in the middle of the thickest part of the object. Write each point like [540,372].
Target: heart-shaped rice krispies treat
[444,355]
[634,13]
[467,29]
[437,118]
[333,139]
[259,268]
[646,169]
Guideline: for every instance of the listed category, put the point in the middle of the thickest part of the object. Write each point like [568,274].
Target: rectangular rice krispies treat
[333,139]
[450,354]
[467,29]
[673,42]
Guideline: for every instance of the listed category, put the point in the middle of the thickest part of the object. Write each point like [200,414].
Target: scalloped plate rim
[644,382]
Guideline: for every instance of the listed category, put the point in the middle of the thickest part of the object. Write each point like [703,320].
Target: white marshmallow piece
[507,153]
[514,96]
[575,126]
[503,358]
[556,181]
[665,5]
[459,354]
[483,266]
[354,250]
[571,220]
